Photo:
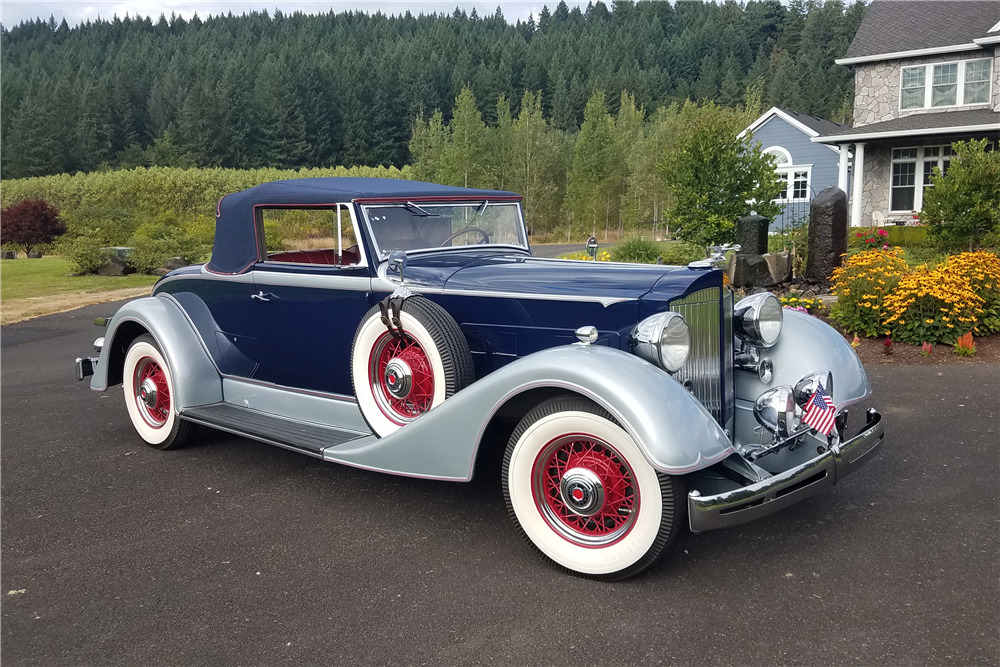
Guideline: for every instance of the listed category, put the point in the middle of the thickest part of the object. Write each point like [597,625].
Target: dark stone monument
[827,233]
[751,265]
[751,234]
[8,254]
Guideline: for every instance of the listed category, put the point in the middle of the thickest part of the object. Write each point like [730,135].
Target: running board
[272,429]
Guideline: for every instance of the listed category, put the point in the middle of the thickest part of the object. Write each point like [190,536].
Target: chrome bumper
[84,367]
[787,488]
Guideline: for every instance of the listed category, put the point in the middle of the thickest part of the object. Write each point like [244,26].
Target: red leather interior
[326,256]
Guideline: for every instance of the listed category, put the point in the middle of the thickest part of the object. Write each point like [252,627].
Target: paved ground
[556,249]
[232,552]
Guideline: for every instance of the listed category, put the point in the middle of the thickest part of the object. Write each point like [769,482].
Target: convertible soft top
[236,249]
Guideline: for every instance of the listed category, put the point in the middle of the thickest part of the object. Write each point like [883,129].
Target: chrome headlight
[757,319]
[775,410]
[663,339]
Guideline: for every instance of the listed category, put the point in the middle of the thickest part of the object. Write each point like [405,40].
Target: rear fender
[196,379]
[675,432]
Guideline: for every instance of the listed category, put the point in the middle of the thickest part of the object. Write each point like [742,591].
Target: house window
[912,96]
[911,164]
[977,82]
[957,83]
[794,179]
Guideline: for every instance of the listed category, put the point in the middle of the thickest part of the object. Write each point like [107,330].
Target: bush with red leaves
[29,223]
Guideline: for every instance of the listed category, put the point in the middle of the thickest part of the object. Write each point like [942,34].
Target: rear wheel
[149,390]
[580,491]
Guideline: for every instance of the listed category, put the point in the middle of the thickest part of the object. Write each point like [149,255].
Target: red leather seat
[327,256]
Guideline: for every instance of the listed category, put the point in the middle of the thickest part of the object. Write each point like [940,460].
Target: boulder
[8,254]
[172,263]
[762,271]
[34,254]
[114,266]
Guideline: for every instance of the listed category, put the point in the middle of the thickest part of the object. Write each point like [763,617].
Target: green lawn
[32,278]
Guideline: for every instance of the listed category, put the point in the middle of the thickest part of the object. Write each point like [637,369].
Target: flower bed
[877,295]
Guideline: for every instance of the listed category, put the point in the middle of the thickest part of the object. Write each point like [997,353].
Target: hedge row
[157,190]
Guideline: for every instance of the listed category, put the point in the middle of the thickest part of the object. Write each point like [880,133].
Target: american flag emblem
[820,412]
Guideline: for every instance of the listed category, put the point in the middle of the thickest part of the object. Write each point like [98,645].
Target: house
[926,74]
[805,167]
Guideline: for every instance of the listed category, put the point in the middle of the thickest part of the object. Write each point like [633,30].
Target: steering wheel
[482,232]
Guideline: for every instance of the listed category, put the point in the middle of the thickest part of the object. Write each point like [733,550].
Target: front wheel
[580,491]
[149,390]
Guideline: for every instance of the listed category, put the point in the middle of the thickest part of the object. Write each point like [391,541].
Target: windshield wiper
[419,211]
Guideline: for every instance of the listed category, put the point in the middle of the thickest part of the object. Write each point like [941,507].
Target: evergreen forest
[291,91]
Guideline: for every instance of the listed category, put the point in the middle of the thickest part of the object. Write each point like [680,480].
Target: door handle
[259,295]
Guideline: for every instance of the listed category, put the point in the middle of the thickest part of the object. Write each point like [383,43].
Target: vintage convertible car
[424,337]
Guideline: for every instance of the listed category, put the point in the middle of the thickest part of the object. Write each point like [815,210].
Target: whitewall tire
[399,377]
[149,389]
[580,491]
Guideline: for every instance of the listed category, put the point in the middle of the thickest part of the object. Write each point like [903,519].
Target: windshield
[413,226]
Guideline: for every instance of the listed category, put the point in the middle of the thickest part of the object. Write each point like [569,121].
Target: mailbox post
[592,247]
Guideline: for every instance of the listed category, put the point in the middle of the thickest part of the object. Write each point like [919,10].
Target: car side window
[310,235]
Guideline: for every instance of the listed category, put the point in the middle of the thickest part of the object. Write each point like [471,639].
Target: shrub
[155,241]
[636,250]
[29,223]
[679,254]
[963,207]
[862,284]
[83,252]
[931,305]
[982,270]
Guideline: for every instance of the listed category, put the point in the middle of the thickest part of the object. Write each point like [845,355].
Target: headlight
[775,410]
[757,319]
[663,339]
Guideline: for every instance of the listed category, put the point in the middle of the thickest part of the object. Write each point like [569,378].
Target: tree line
[294,90]
[684,166]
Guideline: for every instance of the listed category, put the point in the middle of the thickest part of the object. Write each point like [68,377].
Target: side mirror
[397,262]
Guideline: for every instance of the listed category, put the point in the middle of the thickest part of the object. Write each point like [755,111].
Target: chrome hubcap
[147,392]
[582,491]
[398,378]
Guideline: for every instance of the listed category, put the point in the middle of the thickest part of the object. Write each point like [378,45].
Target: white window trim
[790,189]
[779,149]
[918,177]
[929,85]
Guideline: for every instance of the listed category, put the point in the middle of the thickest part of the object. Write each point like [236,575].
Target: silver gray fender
[196,379]
[675,432]
[806,344]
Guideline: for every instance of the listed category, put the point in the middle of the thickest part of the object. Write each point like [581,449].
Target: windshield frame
[381,254]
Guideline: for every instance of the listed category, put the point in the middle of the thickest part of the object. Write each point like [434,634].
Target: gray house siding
[821,162]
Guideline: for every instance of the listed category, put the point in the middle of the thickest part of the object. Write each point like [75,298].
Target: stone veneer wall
[876,87]
[875,185]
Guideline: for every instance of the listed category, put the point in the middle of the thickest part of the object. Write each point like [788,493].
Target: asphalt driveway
[231,552]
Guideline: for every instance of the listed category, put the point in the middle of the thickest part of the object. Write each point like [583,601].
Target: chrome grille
[709,367]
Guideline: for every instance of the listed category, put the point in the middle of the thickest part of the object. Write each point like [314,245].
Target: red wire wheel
[151,392]
[401,377]
[585,490]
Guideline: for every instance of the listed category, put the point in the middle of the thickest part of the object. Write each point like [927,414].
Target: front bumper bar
[787,488]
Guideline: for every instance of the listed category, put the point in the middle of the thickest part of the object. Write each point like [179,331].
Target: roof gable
[811,126]
[896,28]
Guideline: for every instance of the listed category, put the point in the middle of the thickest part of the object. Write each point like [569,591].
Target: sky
[13,12]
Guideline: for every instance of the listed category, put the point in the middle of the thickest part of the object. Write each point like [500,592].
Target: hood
[520,273]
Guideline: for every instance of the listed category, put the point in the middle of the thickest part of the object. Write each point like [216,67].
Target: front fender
[674,431]
[196,379]
[806,345]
